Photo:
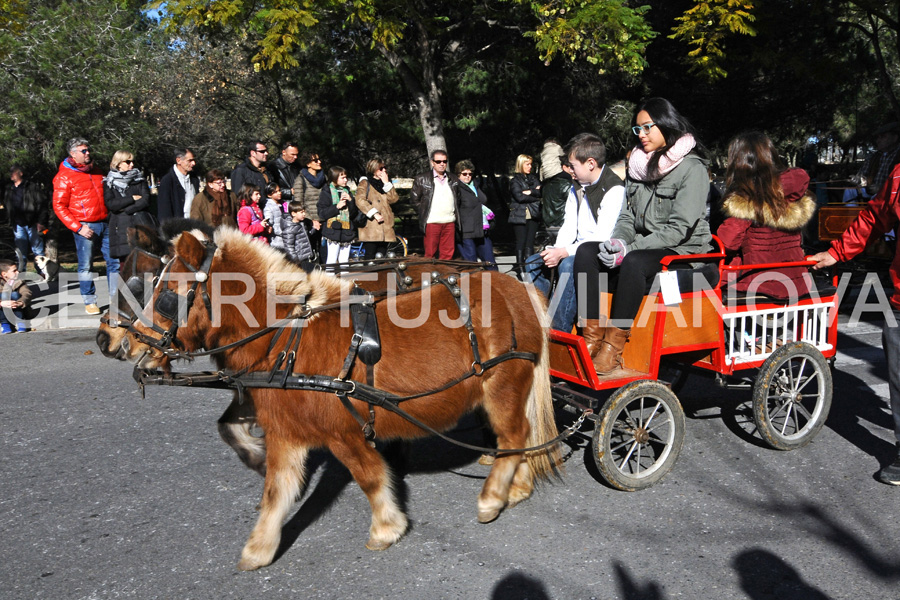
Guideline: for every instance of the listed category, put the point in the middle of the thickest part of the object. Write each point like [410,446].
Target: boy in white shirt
[590,215]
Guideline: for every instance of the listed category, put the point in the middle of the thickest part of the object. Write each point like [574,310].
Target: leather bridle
[174,307]
[136,285]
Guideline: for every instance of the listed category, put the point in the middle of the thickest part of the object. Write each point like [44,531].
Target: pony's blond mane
[264,264]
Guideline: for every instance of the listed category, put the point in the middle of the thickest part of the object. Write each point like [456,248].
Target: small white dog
[48,268]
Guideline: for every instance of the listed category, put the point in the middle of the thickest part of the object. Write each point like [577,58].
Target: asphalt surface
[108,495]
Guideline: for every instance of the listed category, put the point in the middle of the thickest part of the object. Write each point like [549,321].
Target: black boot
[520,265]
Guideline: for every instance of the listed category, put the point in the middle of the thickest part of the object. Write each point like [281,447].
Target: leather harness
[365,345]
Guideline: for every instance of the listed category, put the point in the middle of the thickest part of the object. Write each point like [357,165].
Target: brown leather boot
[593,331]
[609,358]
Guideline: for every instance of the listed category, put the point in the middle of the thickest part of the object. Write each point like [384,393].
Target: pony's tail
[546,463]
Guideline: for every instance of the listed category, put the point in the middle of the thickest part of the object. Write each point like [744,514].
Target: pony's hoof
[248,565]
[378,544]
[486,516]
[518,494]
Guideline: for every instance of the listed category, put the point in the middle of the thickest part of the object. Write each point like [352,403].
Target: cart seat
[742,298]
[685,274]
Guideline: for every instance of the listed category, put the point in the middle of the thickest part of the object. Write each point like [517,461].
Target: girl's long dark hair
[246,191]
[753,173]
[671,124]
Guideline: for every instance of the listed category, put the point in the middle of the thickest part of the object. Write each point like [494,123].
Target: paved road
[106,495]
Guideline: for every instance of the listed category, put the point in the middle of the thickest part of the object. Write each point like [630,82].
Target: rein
[343,387]
[347,388]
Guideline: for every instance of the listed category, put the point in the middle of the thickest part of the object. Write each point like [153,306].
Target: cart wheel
[396,248]
[792,396]
[638,436]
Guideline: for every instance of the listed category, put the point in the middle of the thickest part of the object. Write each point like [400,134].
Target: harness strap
[451,282]
[343,389]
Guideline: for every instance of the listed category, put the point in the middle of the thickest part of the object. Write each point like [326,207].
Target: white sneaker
[92,309]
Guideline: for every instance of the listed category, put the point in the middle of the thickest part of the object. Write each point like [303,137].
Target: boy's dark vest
[597,191]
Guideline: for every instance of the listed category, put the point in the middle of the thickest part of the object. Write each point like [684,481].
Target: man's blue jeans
[564,303]
[85,249]
[27,237]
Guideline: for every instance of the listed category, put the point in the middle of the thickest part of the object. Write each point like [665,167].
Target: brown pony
[515,394]
[151,247]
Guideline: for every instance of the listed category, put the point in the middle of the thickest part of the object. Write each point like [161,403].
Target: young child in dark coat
[295,233]
[15,297]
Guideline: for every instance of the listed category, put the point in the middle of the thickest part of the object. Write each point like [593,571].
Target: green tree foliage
[610,35]
[73,69]
[706,26]
[423,43]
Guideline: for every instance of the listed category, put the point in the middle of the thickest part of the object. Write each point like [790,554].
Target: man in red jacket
[880,216]
[78,202]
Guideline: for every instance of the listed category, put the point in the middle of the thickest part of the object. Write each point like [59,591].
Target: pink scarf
[639,160]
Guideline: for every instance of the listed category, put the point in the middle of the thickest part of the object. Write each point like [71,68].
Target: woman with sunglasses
[475,219]
[127,199]
[666,188]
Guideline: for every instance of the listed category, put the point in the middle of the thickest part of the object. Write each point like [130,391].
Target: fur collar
[795,218]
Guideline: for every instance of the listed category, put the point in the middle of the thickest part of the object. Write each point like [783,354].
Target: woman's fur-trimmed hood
[801,205]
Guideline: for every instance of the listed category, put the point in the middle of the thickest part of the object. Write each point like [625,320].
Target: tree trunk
[885,79]
[424,89]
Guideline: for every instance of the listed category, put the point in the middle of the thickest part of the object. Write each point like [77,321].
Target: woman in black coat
[127,199]
[524,208]
[340,216]
[474,218]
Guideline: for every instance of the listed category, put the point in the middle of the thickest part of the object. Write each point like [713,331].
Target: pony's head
[144,262]
[137,274]
[216,291]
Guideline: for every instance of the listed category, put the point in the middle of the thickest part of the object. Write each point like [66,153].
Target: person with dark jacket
[340,216]
[253,170]
[765,213]
[284,170]
[28,209]
[474,226]
[295,233]
[177,188]
[555,184]
[127,199]
[216,205]
[307,186]
[435,196]
[78,202]
[524,208]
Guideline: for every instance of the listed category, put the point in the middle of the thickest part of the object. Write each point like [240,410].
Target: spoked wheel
[397,248]
[792,396]
[639,435]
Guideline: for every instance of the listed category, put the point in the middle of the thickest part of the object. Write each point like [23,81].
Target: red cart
[785,349]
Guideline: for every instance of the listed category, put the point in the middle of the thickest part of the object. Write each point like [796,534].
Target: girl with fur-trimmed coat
[765,212]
